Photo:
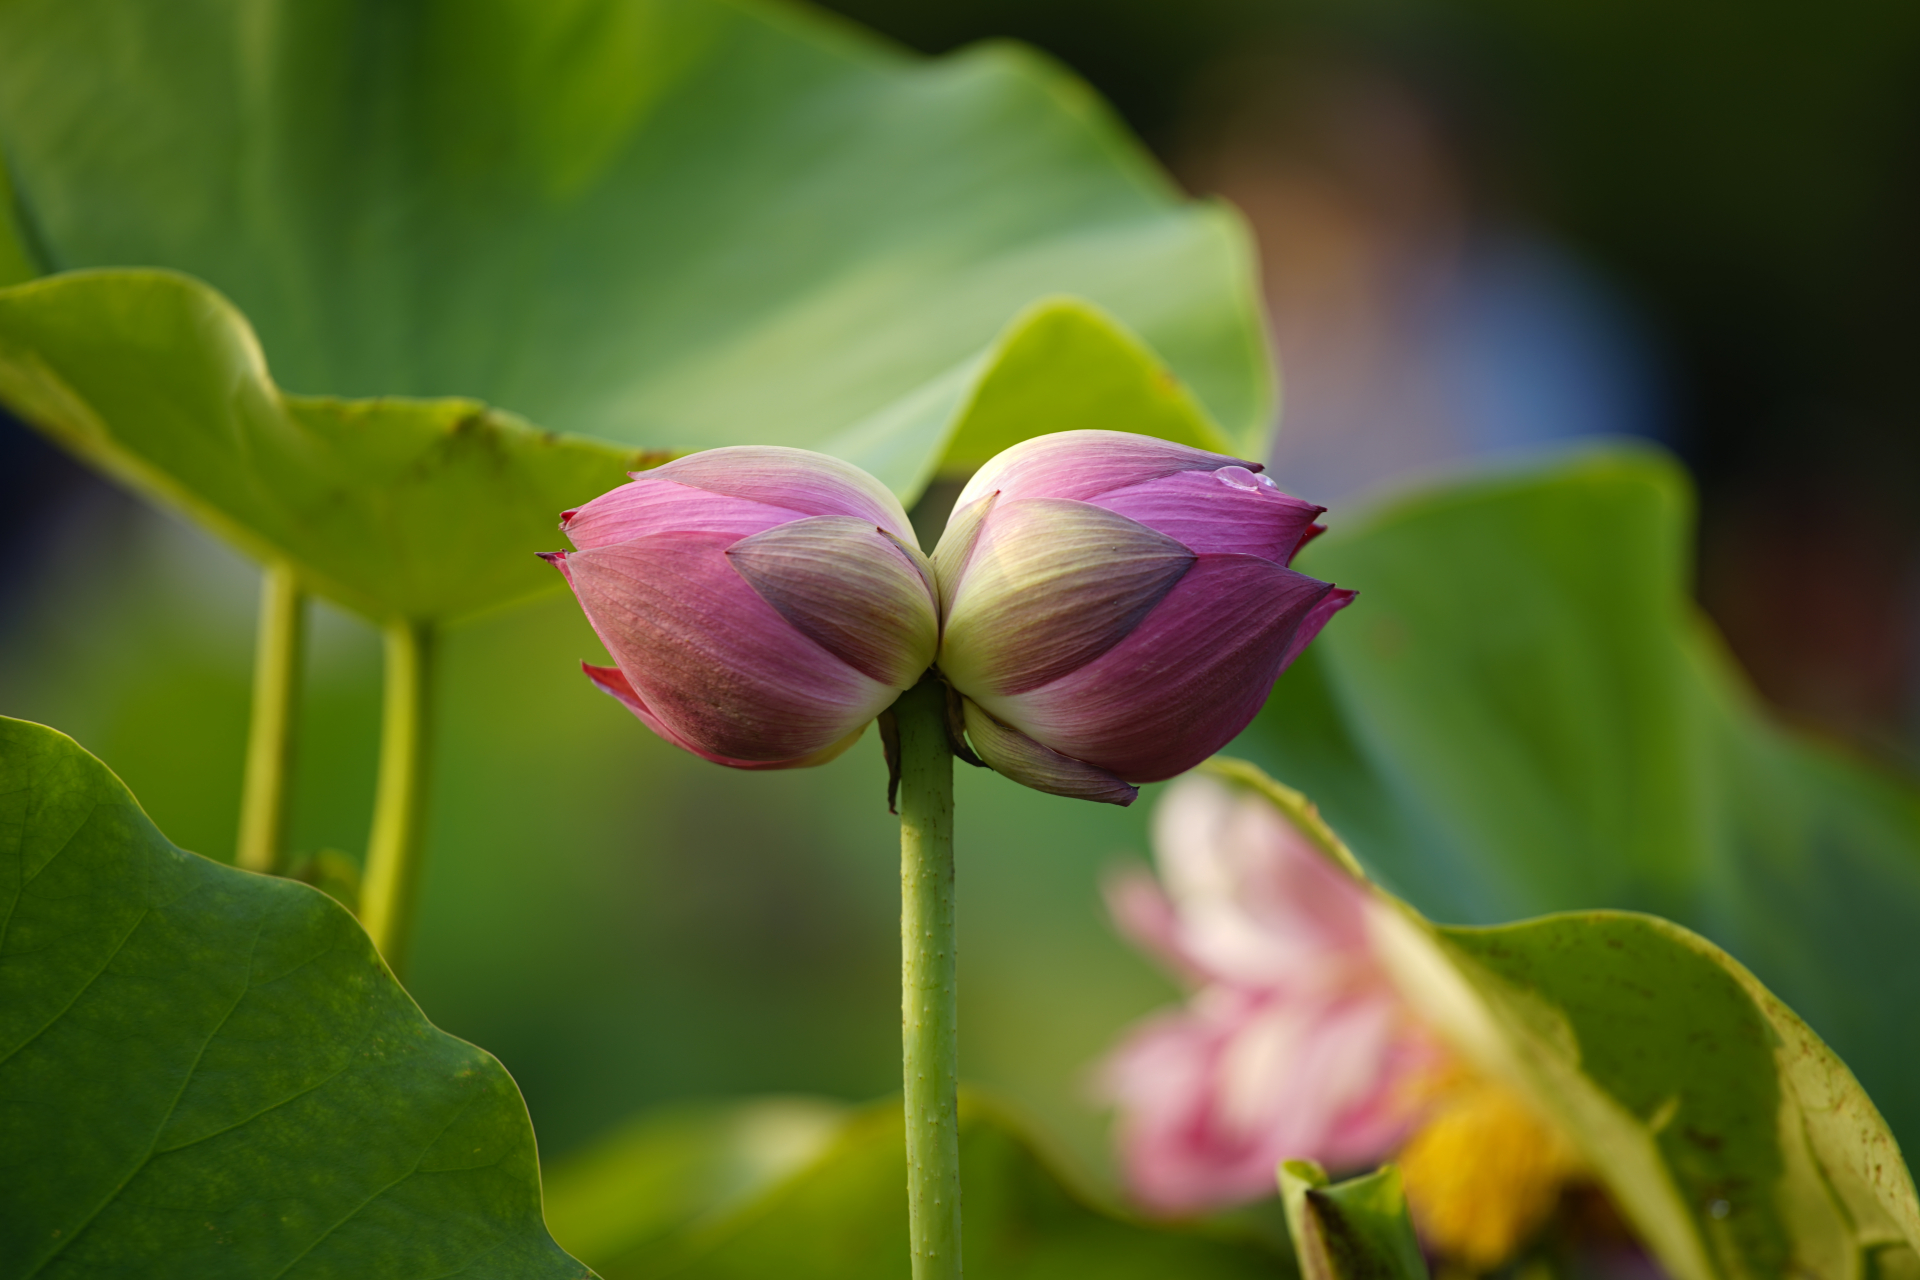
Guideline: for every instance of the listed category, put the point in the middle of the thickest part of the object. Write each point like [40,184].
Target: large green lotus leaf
[670,224]
[208,1073]
[1734,1140]
[1524,713]
[842,1215]
[434,508]
[419,508]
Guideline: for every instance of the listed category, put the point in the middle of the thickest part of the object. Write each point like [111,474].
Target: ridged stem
[278,648]
[930,1034]
[391,884]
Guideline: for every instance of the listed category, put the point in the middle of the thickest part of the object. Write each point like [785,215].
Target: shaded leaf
[209,1073]
[1525,713]
[1734,1141]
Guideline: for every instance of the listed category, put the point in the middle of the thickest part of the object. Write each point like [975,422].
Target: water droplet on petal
[1241,478]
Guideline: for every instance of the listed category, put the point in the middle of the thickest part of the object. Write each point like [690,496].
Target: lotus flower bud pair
[1108,609]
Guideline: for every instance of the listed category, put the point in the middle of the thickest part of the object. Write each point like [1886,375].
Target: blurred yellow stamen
[1482,1174]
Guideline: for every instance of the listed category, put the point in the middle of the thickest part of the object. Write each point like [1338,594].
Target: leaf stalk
[279,649]
[390,890]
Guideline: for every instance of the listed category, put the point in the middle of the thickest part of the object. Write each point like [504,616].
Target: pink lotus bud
[762,603]
[1116,608]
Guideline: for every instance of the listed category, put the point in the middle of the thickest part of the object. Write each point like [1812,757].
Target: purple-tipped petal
[813,484]
[1086,464]
[1331,603]
[1185,681]
[652,505]
[1224,512]
[852,589]
[613,682]
[1050,586]
[1012,753]
[710,658]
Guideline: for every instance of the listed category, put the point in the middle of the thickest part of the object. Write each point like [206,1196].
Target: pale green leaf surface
[425,509]
[1523,713]
[843,1215]
[1662,1051]
[208,1073]
[671,224]
[1733,1139]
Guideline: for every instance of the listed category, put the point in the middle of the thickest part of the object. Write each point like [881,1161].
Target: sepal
[1012,753]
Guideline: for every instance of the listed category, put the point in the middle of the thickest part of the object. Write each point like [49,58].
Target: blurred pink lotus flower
[1295,1043]
[762,604]
[1116,607]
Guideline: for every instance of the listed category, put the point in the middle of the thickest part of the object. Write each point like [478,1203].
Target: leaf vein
[20,892]
[85,987]
[354,1212]
[181,1092]
[293,1097]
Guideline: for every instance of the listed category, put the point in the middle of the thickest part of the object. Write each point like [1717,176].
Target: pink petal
[1409,1066]
[1050,586]
[1330,1077]
[1014,755]
[1213,1097]
[1145,917]
[1257,905]
[1230,510]
[853,589]
[1159,1079]
[1184,682]
[613,681]
[1086,464]
[813,484]
[710,658]
[1181,1149]
[653,504]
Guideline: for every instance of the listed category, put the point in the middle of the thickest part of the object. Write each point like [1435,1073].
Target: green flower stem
[278,648]
[927,985]
[392,881]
